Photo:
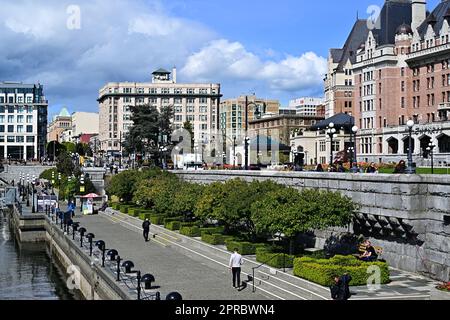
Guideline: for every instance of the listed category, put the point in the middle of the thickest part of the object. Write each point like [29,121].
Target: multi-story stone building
[339,80]
[60,123]
[23,121]
[232,114]
[402,73]
[196,103]
[306,106]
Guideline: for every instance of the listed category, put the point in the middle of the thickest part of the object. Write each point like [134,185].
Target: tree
[289,212]
[54,149]
[70,147]
[151,129]
[230,203]
[124,185]
[65,164]
[83,149]
[158,194]
[186,197]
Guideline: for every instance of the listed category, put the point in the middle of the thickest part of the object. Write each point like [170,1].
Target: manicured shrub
[157,220]
[144,216]
[116,206]
[215,239]
[192,232]
[167,220]
[124,208]
[213,230]
[134,212]
[245,248]
[323,271]
[273,259]
[173,225]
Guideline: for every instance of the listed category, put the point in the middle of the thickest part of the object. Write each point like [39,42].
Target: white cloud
[231,61]
[127,40]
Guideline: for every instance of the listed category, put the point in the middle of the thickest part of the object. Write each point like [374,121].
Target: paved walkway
[199,271]
[194,278]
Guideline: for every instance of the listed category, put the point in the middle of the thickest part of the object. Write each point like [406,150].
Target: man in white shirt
[235,267]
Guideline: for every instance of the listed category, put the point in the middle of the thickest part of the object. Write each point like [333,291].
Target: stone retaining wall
[401,213]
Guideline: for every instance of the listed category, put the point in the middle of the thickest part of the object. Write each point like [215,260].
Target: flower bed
[444,287]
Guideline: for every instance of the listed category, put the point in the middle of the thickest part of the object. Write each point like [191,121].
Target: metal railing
[266,264]
[131,279]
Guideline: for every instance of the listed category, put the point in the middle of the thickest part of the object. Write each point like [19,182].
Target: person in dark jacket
[341,289]
[146,226]
[345,282]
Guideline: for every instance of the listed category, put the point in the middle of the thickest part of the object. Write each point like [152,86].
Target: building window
[29,129]
[10,119]
[20,129]
[30,139]
[10,129]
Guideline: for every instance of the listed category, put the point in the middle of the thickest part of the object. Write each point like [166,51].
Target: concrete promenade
[199,271]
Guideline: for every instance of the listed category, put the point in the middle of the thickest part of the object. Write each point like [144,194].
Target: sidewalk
[175,252]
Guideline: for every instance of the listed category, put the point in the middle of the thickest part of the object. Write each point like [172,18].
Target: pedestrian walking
[146,226]
[71,208]
[235,267]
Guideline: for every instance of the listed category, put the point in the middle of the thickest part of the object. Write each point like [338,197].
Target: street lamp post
[33,210]
[351,152]
[354,165]
[331,132]
[430,149]
[410,169]
[247,144]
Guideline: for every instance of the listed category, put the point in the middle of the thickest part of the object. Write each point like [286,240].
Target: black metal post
[90,247]
[432,160]
[118,268]
[331,149]
[410,169]
[81,240]
[33,210]
[103,256]
[139,285]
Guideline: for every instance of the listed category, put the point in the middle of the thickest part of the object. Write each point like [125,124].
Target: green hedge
[245,248]
[157,220]
[144,216]
[187,224]
[192,232]
[124,208]
[134,212]
[173,225]
[116,206]
[213,230]
[215,239]
[273,259]
[323,271]
[167,220]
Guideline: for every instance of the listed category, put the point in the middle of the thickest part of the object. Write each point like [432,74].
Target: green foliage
[124,208]
[192,232]
[65,164]
[134,212]
[157,220]
[47,174]
[291,212]
[213,230]
[171,219]
[115,206]
[186,197]
[215,239]
[245,248]
[230,202]
[173,225]
[158,193]
[124,184]
[323,271]
[55,149]
[274,259]
[70,147]
[144,216]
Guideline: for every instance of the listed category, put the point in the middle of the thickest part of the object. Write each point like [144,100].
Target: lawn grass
[421,171]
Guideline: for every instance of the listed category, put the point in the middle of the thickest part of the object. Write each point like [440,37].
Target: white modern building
[306,106]
[23,121]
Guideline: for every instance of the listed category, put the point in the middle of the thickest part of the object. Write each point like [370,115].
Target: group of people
[339,167]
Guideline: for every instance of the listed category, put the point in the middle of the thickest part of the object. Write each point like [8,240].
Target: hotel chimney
[419,13]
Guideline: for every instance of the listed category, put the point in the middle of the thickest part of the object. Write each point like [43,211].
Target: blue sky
[277,49]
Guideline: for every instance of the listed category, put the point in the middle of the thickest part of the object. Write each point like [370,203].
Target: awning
[341,121]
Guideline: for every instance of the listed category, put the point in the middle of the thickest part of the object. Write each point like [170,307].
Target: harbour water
[27,272]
